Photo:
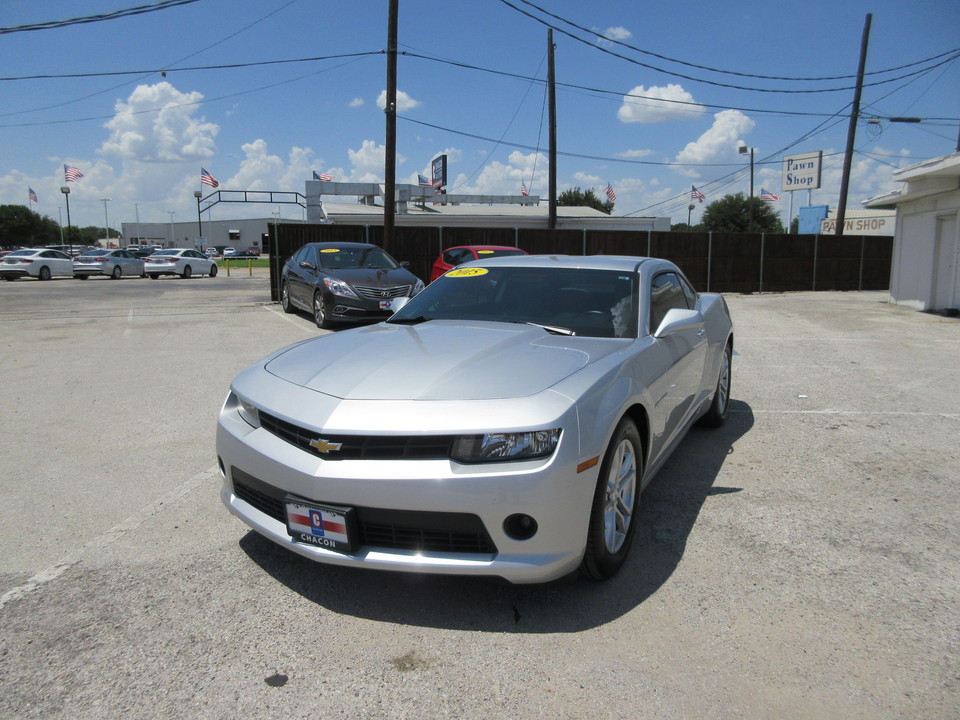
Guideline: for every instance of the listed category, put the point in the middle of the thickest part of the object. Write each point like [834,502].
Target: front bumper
[260,469]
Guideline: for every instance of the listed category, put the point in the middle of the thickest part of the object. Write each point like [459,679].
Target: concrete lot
[801,562]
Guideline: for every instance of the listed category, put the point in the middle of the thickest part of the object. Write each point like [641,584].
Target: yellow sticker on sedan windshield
[484,252]
[330,250]
[467,272]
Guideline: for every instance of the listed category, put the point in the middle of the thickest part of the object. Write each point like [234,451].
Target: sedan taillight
[26,260]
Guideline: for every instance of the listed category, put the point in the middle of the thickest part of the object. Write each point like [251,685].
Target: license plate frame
[331,527]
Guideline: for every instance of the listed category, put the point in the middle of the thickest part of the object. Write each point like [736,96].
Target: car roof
[485,247]
[621,263]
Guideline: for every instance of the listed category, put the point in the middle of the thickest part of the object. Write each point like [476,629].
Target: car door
[301,275]
[58,262]
[683,354]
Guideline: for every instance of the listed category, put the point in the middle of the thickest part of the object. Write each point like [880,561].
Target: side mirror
[397,303]
[405,264]
[677,320]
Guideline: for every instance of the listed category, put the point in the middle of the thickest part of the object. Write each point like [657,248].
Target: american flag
[325,177]
[71,173]
[208,179]
[696,194]
[33,195]
[767,195]
[523,189]
[422,181]
[610,193]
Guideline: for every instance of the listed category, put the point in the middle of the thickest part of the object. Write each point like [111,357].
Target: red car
[460,254]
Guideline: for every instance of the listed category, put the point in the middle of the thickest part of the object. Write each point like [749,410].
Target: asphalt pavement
[801,562]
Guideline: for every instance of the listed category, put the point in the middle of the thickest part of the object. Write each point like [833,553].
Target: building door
[946,288]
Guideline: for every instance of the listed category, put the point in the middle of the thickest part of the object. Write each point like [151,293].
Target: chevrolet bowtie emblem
[323,446]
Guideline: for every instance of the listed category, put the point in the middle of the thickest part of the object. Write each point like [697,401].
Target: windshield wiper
[415,320]
[552,329]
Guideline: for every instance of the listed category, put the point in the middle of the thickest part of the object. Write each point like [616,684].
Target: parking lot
[801,562]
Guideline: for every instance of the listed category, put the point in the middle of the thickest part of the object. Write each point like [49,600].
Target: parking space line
[283,315]
[54,571]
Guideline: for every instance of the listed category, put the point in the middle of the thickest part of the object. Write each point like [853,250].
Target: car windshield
[24,252]
[166,252]
[93,253]
[590,303]
[349,258]
[499,253]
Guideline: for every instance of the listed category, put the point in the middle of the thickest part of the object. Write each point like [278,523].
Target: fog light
[520,527]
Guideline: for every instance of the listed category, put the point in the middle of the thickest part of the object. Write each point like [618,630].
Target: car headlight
[339,287]
[248,412]
[499,447]
[417,288]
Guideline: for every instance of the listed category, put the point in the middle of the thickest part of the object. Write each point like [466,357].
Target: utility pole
[852,129]
[390,160]
[552,94]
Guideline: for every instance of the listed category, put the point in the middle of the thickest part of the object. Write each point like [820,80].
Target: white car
[115,263]
[502,422]
[184,262]
[41,263]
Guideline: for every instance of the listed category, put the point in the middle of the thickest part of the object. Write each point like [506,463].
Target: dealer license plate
[325,526]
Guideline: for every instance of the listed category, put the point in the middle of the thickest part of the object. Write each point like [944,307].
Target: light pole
[197,194]
[171,213]
[106,221]
[66,193]
[743,151]
[136,207]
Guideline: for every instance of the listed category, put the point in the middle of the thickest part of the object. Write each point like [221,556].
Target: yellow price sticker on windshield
[484,252]
[467,272]
[330,250]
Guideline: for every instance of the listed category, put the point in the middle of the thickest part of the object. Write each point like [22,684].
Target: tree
[578,198]
[21,226]
[731,213]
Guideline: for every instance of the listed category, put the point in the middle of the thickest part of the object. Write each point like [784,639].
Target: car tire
[117,273]
[44,273]
[613,513]
[154,276]
[213,271]
[9,278]
[83,277]
[320,315]
[285,299]
[717,414]
[187,272]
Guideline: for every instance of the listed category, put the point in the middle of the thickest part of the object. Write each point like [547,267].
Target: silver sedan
[503,422]
[179,261]
[113,263]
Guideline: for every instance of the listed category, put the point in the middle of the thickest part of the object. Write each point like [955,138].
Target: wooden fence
[717,262]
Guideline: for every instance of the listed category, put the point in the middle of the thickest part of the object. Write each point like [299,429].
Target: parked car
[242,254]
[339,282]
[451,257]
[503,422]
[41,263]
[142,252]
[184,262]
[115,263]
[228,251]
[211,252]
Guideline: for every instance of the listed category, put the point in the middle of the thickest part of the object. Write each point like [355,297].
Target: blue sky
[140,139]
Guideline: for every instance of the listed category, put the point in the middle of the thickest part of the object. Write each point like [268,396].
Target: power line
[126,12]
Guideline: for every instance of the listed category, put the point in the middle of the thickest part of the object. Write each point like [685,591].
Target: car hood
[377,277]
[437,360]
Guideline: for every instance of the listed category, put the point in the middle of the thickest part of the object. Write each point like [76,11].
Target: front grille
[380,293]
[379,528]
[360,447]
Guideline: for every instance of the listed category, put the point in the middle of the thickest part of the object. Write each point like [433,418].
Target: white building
[925,272]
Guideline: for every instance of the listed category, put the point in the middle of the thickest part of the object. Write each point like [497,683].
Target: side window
[689,292]
[666,293]
[456,256]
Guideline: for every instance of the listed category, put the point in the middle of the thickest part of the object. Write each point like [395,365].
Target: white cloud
[498,178]
[174,134]
[404,101]
[635,153]
[658,104]
[615,33]
[720,140]
[356,102]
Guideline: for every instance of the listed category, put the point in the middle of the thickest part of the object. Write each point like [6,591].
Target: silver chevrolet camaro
[503,422]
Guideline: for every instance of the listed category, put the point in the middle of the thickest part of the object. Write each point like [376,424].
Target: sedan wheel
[213,271]
[320,312]
[285,299]
[717,413]
[44,273]
[117,272]
[187,272]
[615,503]
[154,276]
